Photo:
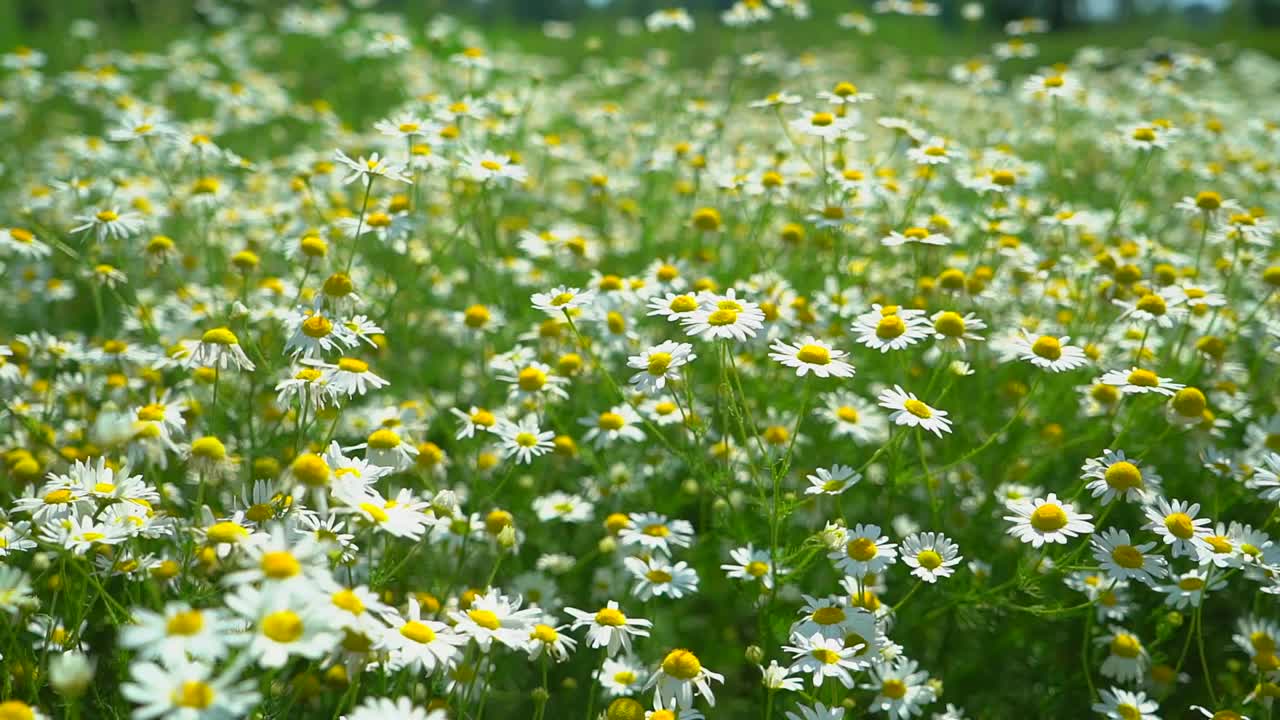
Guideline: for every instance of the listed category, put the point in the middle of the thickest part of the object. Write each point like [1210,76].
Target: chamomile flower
[281,625]
[609,627]
[659,365]
[890,327]
[1187,589]
[679,678]
[1120,704]
[562,299]
[419,644]
[909,411]
[655,576]
[655,533]
[812,355]
[824,657]
[1046,520]
[109,224]
[901,688]
[1127,659]
[1176,523]
[865,551]
[179,631]
[930,555]
[494,616]
[833,481]
[524,440]
[184,690]
[487,166]
[752,565]
[1113,475]
[1050,353]
[217,348]
[368,168]
[723,318]
[1124,560]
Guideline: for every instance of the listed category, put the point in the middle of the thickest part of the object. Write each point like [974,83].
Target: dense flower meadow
[605,384]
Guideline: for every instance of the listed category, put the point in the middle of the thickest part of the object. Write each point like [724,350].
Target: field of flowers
[359,368]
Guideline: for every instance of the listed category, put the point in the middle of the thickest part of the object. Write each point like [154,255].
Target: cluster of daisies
[440,378]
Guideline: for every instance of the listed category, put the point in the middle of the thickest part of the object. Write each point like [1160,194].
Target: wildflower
[930,555]
[679,678]
[609,628]
[911,412]
[1047,520]
[812,355]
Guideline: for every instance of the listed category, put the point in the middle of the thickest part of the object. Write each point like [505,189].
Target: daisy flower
[524,440]
[901,689]
[1188,588]
[750,565]
[217,348]
[890,327]
[951,329]
[419,644]
[914,236]
[180,631]
[1176,523]
[368,168]
[824,125]
[1048,520]
[930,555]
[184,690]
[1120,704]
[621,677]
[723,318]
[109,224]
[1112,476]
[853,417]
[812,355]
[379,708]
[833,481]
[551,640]
[1123,560]
[488,165]
[865,552]
[1050,353]
[659,365]
[494,616]
[1137,381]
[823,657]
[609,628]
[673,306]
[1127,660]
[620,422]
[654,533]
[679,678]
[562,299]
[911,412]
[657,577]
[282,625]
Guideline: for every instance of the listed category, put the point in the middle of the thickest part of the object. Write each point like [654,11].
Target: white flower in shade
[865,552]
[562,299]
[824,657]
[930,555]
[184,690]
[380,708]
[1113,475]
[833,481]
[1137,381]
[524,440]
[656,576]
[750,565]
[609,628]
[778,677]
[1176,523]
[1048,520]
[659,364]
[908,410]
[1123,560]
[812,355]
[1050,353]
[1189,588]
[1120,704]
[419,644]
[562,506]
[622,677]
[1219,715]
[901,689]
[817,711]
[679,678]
[1127,660]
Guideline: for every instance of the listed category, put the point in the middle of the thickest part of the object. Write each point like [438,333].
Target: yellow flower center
[722,317]
[1143,378]
[531,379]
[226,532]
[485,619]
[890,327]
[950,324]
[862,549]
[813,354]
[610,617]
[280,564]
[658,363]
[1125,646]
[1179,525]
[681,664]
[893,689]
[659,577]
[219,336]
[1123,476]
[348,600]
[283,626]
[1047,347]
[185,623]
[611,421]
[822,119]
[828,615]
[847,414]
[107,216]
[193,694]
[929,559]
[825,656]
[1127,556]
[917,408]
[1048,518]
[352,365]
